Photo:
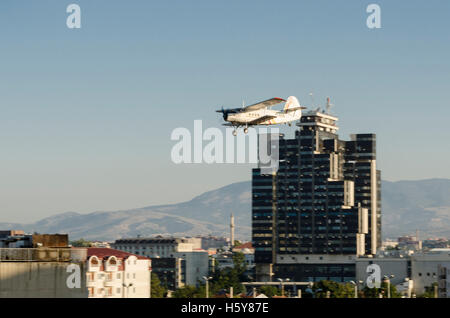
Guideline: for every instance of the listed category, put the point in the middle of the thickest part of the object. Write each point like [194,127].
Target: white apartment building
[116,274]
[425,267]
[417,271]
[157,246]
[444,281]
[194,260]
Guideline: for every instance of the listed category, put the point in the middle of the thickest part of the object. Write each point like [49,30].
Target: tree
[429,291]
[335,289]
[190,292]
[375,292]
[157,291]
[81,243]
[225,278]
[222,280]
[239,263]
[270,291]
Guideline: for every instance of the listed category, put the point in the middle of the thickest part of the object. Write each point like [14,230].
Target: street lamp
[282,285]
[356,284]
[387,279]
[356,287]
[310,289]
[127,286]
[207,285]
[409,286]
[436,287]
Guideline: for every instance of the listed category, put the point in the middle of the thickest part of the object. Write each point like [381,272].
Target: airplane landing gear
[234,132]
[245,130]
[290,124]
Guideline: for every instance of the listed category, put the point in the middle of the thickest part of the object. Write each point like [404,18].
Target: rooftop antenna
[328,105]
[312,99]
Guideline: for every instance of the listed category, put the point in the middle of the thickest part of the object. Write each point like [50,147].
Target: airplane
[260,114]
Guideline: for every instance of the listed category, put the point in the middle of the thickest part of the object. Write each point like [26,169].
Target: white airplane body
[260,114]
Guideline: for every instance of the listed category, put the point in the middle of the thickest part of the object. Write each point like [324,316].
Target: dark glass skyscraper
[321,209]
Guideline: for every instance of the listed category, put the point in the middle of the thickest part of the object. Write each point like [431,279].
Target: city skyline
[87,114]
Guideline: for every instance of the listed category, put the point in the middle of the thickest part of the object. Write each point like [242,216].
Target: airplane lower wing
[261,119]
[250,123]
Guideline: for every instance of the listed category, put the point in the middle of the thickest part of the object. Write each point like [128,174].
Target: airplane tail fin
[292,102]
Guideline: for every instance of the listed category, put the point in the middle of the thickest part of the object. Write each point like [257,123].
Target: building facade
[19,239]
[425,268]
[157,246]
[116,274]
[321,209]
[444,281]
[193,261]
[43,273]
[171,272]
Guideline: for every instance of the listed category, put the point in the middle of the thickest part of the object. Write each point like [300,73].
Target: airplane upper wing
[264,104]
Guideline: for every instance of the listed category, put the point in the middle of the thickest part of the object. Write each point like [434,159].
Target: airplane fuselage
[280,117]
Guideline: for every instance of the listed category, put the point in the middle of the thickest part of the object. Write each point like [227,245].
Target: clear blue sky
[86,115]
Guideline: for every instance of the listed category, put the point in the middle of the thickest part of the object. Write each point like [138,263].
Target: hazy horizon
[151,205]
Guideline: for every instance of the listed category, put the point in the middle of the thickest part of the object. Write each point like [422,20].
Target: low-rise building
[223,260]
[43,273]
[155,246]
[19,239]
[116,274]
[249,254]
[398,267]
[213,242]
[412,274]
[171,272]
[435,243]
[185,251]
[425,267]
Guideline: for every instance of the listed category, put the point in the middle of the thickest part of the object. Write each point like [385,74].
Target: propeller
[224,113]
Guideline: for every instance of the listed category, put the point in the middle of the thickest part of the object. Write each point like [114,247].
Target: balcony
[91,283]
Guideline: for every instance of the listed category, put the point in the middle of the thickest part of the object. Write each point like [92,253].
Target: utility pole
[207,285]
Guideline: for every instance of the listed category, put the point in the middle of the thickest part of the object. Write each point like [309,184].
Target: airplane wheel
[234,132]
[290,124]
[245,130]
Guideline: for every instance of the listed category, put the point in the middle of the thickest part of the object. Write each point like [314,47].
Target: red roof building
[112,273]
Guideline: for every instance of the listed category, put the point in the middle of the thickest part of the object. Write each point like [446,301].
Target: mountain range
[406,206]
